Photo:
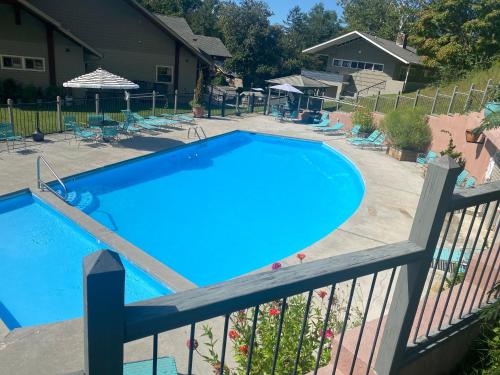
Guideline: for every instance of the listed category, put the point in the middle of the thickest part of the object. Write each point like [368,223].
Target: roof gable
[405,55]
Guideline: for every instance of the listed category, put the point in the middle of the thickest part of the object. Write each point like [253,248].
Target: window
[361,65]
[368,66]
[354,64]
[336,62]
[378,67]
[346,63]
[23,63]
[164,74]
[358,65]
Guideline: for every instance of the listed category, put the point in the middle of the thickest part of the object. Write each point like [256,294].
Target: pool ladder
[198,131]
[42,185]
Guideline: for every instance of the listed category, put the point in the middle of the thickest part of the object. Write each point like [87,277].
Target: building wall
[69,59]
[131,44]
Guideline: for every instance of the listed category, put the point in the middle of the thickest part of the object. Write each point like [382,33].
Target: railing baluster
[252,339]
[457,270]
[490,225]
[278,335]
[361,329]
[325,327]
[302,331]
[486,287]
[224,343]
[344,325]
[448,266]
[429,286]
[191,349]
[155,354]
[476,239]
[381,318]
[485,242]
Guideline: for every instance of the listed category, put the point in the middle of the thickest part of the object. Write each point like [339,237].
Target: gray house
[46,42]
[368,64]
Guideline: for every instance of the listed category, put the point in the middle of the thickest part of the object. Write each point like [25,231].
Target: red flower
[274,312]
[276,266]
[233,334]
[244,349]
[301,256]
[195,344]
[328,333]
[322,294]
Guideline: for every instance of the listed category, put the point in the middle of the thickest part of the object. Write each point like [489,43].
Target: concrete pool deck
[385,216]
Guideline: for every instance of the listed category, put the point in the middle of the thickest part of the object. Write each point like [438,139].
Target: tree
[457,35]
[203,20]
[172,7]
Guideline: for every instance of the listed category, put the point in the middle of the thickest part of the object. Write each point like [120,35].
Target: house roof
[298,80]
[406,55]
[210,45]
[57,25]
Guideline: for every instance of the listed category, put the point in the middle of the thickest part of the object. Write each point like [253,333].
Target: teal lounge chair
[7,134]
[355,130]
[335,128]
[95,121]
[379,142]
[150,123]
[84,134]
[110,133]
[293,115]
[470,182]
[324,116]
[164,366]
[179,117]
[276,113]
[128,128]
[461,178]
[374,135]
[323,124]
[423,159]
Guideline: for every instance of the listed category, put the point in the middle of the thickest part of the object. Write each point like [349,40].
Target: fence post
[176,93]
[153,104]
[237,103]
[376,102]
[59,121]
[466,105]
[127,100]
[307,105]
[396,102]
[266,112]
[10,108]
[485,93]
[434,101]
[450,106]
[416,99]
[252,102]
[97,104]
[431,212]
[223,109]
[103,313]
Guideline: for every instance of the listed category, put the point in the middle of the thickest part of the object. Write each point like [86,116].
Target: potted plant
[196,103]
[364,118]
[408,133]
[490,121]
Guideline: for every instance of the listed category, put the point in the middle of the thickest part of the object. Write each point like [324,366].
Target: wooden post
[210,101]
[376,102]
[10,108]
[450,106]
[223,108]
[237,102]
[307,105]
[59,121]
[153,104]
[435,100]
[176,94]
[485,93]
[103,313]
[416,99]
[396,102]
[429,217]
[127,99]
[466,105]
[252,102]
[97,104]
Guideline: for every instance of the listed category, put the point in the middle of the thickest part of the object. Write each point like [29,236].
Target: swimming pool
[224,207]
[41,265]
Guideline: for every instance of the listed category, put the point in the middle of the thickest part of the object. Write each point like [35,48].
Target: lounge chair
[276,113]
[293,115]
[373,136]
[324,116]
[423,159]
[7,134]
[335,128]
[323,124]
[470,182]
[179,117]
[128,128]
[461,178]
[164,366]
[110,133]
[84,134]
[379,142]
[150,123]
[95,121]
[355,130]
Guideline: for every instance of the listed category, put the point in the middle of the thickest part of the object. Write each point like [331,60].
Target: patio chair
[470,182]
[276,113]
[323,124]
[150,123]
[461,178]
[84,134]
[110,133]
[373,136]
[324,116]
[128,128]
[94,121]
[355,130]
[179,117]
[423,159]
[378,143]
[164,366]
[293,115]
[69,124]
[335,128]
[7,134]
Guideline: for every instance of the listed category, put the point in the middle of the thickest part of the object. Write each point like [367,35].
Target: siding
[69,59]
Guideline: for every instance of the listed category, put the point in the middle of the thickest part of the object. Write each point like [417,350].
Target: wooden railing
[109,324]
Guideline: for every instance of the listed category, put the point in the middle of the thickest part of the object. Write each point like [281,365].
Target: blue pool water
[218,209]
[41,265]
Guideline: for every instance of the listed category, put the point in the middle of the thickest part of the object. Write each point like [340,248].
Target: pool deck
[385,216]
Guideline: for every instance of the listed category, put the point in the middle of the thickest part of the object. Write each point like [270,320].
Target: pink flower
[329,333]
[244,349]
[233,334]
[322,294]
[276,266]
[195,344]
[301,256]
[274,312]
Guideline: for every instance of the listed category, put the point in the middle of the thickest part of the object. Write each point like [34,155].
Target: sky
[280,8]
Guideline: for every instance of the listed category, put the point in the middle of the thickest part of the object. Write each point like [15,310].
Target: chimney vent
[402,39]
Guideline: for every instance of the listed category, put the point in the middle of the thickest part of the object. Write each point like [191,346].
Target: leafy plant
[198,92]
[450,151]
[407,129]
[363,117]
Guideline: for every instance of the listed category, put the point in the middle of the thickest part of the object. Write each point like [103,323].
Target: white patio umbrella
[102,80]
[285,87]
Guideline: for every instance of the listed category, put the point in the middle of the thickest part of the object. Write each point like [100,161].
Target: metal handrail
[42,185]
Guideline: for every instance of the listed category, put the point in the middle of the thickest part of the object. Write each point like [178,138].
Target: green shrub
[450,151]
[407,129]
[363,117]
